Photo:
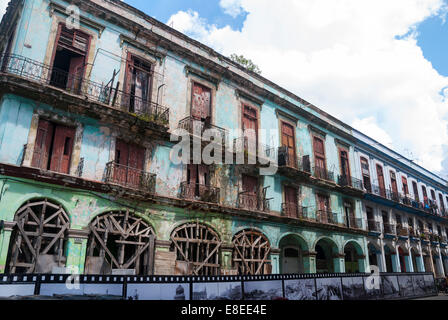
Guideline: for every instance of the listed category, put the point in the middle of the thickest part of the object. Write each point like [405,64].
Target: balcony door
[345,167]
[198,178]
[138,84]
[288,142]
[250,128]
[366,174]
[201,102]
[53,147]
[249,197]
[291,202]
[319,157]
[323,204]
[393,182]
[129,163]
[414,187]
[381,185]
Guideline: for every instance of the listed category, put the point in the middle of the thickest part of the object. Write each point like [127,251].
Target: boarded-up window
[251,253]
[200,102]
[53,147]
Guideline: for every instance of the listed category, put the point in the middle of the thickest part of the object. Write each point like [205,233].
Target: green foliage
[247,63]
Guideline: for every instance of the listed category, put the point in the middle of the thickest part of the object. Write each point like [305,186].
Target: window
[291,203]
[382,187]
[366,174]
[425,195]
[411,222]
[249,197]
[393,182]
[404,181]
[129,163]
[250,128]
[70,58]
[345,166]
[319,157]
[442,205]
[138,84]
[53,147]
[398,219]
[288,141]
[200,102]
[198,181]
[414,187]
[433,195]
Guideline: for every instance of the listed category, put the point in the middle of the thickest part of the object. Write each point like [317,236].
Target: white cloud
[231,7]
[344,57]
[3,6]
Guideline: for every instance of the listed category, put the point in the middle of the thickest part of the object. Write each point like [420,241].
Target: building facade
[92,96]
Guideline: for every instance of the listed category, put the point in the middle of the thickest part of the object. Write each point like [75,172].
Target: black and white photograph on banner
[353,288]
[217,291]
[430,286]
[329,289]
[82,289]
[158,291]
[15,290]
[390,286]
[300,289]
[372,286]
[406,286]
[419,285]
[263,290]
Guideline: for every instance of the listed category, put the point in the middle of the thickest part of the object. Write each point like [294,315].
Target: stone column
[275,261]
[412,268]
[76,251]
[441,272]
[395,262]
[383,258]
[339,262]
[309,261]
[362,263]
[5,237]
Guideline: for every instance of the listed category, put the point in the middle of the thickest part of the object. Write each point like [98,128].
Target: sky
[380,66]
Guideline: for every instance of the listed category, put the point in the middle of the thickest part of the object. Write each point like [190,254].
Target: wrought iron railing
[196,191]
[390,228]
[248,146]
[354,223]
[326,217]
[322,173]
[197,127]
[374,226]
[293,210]
[78,85]
[129,177]
[253,201]
[402,231]
[353,182]
[285,159]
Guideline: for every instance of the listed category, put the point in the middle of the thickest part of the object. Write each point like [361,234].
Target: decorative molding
[246,95]
[339,255]
[55,7]
[162,244]
[342,143]
[9,225]
[317,130]
[76,233]
[288,116]
[206,76]
[309,254]
[141,46]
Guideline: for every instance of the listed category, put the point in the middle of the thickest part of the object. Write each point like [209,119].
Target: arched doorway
[39,238]
[197,248]
[291,254]
[415,255]
[326,249]
[120,241]
[251,252]
[373,255]
[354,258]
[402,257]
[388,258]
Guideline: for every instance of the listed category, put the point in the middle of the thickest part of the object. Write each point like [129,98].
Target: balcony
[413,233]
[129,177]
[197,127]
[322,173]
[253,147]
[254,201]
[374,226]
[200,192]
[327,217]
[390,229]
[293,210]
[352,182]
[402,231]
[354,223]
[75,84]
[286,160]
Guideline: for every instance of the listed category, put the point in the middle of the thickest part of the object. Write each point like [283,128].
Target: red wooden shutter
[250,184]
[250,125]
[203,173]
[201,101]
[135,164]
[129,75]
[291,195]
[121,160]
[393,181]
[404,181]
[381,184]
[64,138]
[345,169]
[324,204]
[319,153]
[42,144]
[288,141]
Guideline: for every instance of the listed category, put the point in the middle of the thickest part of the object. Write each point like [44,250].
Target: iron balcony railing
[286,160]
[374,226]
[253,201]
[293,210]
[390,228]
[326,217]
[322,173]
[78,85]
[254,147]
[353,182]
[197,127]
[129,177]
[402,231]
[354,223]
[196,191]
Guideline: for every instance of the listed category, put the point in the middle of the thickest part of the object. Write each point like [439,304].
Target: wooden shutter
[203,174]
[135,164]
[345,169]
[64,138]
[319,152]
[288,141]
[42,144]
[393,181]
[250,184]
[404,181]
[200,102]
[323,202]
[381,184]
[291,196]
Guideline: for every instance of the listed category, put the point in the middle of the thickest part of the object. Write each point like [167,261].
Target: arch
[374,254]
[414,255]
[120,240]
[251,250]
[197,249]
[39,237]
[326,249]
[327,239]
[354,257]
[292,246]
